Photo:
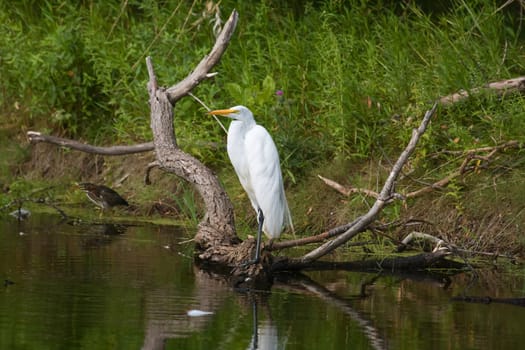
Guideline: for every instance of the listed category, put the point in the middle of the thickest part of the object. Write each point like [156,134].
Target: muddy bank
[63,167]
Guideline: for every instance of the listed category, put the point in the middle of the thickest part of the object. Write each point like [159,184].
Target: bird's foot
[251,262]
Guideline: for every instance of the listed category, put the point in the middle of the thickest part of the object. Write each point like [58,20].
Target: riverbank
[481,212]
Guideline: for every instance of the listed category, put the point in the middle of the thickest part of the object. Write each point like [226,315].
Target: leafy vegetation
[336,82]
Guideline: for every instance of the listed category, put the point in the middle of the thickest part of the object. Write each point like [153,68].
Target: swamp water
[130,287]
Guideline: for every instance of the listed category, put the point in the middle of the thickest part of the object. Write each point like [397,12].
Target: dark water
[107,287]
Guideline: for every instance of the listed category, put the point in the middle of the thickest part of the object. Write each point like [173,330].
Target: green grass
[345,69]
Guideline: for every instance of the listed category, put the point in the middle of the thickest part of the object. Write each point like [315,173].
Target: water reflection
[166,314]
[265,335]
[106,286]
[99,234]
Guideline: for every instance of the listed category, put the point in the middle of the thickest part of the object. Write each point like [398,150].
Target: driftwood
[217,244]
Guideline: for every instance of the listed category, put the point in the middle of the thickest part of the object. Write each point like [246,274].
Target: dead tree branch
[36,137]
[465,168]
[174,93]
[218,228]
[202,71]
[346,191]
[441,244]
[500,87]
[386,194]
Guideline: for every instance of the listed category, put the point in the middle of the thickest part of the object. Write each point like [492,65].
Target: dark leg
[258,244]
[255,336]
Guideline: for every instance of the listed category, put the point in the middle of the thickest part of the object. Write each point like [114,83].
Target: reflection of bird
[255,159]
[102,196]
[21,214]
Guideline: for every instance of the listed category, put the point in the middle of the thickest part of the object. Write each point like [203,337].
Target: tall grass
[353,75]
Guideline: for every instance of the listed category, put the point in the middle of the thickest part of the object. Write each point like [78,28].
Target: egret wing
[266,180]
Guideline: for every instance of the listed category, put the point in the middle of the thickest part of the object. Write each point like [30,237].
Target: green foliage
[329,79]
[187,202]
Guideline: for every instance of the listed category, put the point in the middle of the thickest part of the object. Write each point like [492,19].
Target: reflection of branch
[463,169]
[164,318]
[35,137]
[386,194]
[489,300]
[324,294]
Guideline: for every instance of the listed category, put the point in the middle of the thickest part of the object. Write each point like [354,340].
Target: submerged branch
[417,262]
[490,300]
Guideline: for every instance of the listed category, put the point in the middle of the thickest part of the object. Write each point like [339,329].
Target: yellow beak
[223,112]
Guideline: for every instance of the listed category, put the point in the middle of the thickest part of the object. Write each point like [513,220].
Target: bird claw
[250,262]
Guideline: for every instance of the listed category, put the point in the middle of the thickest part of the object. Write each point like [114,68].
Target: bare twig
[208,109]
[312,239]
[206,64]
[503,146]
[463,169]
[150,166]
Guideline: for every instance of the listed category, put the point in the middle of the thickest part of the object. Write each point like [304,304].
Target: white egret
[255,159]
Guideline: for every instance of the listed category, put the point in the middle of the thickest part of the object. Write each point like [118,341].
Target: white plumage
[255,159]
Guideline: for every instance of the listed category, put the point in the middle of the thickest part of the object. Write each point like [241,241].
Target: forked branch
[386,194]
[202,71]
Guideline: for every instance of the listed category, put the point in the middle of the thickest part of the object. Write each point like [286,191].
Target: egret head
[240,113]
